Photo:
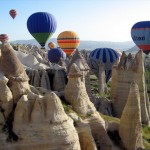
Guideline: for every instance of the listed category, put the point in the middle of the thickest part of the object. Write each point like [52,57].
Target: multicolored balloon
[3,37]
[140,33]
[41,26]
[55,54]
[51,45]
[13,13]
[107,56]
[68,41]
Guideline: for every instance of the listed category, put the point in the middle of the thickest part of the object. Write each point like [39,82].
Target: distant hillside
[133,50]
[88,45]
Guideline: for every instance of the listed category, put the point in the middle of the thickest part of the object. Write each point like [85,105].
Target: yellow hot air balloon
[51,45]
[68,41]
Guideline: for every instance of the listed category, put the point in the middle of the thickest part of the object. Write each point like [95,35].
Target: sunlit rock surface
[128,70]
[130,129]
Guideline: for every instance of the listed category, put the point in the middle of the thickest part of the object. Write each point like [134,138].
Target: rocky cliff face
[128,70]
[14,71]
[40,122]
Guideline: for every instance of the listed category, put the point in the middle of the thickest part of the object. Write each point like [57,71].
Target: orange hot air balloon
[13,13]
[51,45]
[3,37]
[68,41]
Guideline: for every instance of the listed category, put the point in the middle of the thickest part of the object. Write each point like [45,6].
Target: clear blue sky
[98,20]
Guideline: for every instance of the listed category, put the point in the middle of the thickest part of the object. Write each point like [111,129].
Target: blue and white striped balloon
[105,55]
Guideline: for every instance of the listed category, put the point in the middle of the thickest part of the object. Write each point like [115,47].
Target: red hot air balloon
[13,13]
[3,37]
[140,33]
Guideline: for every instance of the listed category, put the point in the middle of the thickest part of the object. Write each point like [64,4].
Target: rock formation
[14,71]
[105,106]
[58,78]
[128,70]
[41,123]
[75,92]
[85,136]
[6,98]
[33,117]
[102,87]
[80,61]
[76,95]
[45,83]
[59,81]
[130,129]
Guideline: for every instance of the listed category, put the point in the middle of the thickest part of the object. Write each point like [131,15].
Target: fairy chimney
[75,92]
[130,129]
[14,71]
[128,70]
[80,61]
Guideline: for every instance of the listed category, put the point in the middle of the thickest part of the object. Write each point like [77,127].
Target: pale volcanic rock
[85,136]
[76,95]
[130,129]
[105,106]
[58,81]
[54,110]
[28,60]
[41,123]
[6,98]
[22,111]
[80,61]
[13,67]
[62,63]
[14,71]
[75,92]
[128,70]
[102,87]
[76,56]
[140,80]
[45,83]
[99,132]
[36,79]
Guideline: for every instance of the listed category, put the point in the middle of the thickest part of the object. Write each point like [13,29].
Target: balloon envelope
[41,26]
[55,54]
[68,41]
[51,45]
[13,13]
[140,33]
[3,37]
[105,55]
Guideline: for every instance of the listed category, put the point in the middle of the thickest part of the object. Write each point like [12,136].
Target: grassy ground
[146,137]
[145,129]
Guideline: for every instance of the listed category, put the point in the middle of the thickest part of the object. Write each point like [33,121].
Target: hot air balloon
[68,41]
[140,33]
[55,54]
[41,26]
[105,55]
[51,45]
[13,13]
[3,37]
